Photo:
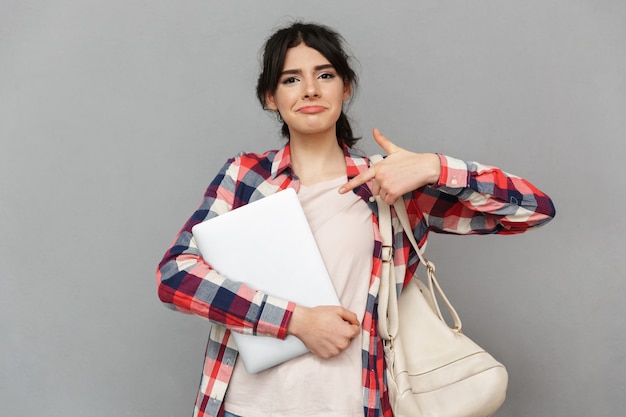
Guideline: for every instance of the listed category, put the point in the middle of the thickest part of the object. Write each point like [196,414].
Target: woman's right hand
[325,330]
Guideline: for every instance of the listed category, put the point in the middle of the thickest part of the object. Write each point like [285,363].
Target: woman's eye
[327,76]
[290,80]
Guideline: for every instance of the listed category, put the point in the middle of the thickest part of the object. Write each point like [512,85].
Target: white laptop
[268,244]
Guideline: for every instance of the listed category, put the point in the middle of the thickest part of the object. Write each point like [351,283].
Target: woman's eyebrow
[299,71]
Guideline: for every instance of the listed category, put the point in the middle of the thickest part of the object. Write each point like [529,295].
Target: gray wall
[115,115]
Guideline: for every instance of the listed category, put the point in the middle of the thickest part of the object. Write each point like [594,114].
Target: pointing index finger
[358,180]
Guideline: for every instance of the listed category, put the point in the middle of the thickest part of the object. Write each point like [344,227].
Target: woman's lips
[311,109]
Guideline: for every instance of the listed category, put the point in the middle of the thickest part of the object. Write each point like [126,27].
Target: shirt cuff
[454,173]
[275,317]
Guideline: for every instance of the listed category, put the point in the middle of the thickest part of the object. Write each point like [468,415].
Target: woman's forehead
[303,55]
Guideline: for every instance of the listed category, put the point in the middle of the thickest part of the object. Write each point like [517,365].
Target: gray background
[115,115]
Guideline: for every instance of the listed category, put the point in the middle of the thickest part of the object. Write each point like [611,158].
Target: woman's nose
[311,89]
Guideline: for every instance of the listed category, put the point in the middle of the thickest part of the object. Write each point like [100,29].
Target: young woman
[306,79]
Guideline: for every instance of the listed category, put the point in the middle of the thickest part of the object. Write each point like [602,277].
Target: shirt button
[372,199]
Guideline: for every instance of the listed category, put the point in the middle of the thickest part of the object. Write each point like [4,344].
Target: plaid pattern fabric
[469,198]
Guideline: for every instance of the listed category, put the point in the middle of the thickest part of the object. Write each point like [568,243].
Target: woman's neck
[316,159]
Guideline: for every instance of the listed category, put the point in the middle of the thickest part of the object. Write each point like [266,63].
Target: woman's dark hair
[321,38]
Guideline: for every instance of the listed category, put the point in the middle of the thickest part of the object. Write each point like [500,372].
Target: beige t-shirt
[309,386]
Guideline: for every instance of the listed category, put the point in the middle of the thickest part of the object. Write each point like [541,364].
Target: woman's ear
[270,102]
[347,90]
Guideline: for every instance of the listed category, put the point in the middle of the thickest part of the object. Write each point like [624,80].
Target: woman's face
[310,93]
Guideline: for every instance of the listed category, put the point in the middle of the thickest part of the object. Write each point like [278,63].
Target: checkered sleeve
[188,284]
[471,198]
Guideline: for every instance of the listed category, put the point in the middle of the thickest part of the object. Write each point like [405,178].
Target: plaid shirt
[469,198]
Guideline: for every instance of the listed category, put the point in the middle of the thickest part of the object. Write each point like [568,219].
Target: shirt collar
[356,164]
[282,161]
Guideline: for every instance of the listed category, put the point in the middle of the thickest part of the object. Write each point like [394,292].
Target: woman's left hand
[400,172]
